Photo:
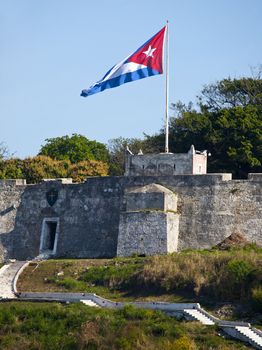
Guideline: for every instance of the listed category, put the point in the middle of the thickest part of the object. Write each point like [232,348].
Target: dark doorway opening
[50,237]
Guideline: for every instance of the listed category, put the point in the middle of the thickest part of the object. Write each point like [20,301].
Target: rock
[234,240]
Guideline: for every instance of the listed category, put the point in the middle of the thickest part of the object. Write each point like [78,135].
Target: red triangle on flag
[151,53]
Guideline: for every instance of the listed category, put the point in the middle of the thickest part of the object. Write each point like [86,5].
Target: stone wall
[10,198]
[150,223]
[211,207]
[165,164]
[88,216]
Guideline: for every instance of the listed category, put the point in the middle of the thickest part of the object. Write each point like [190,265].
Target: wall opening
[49,235]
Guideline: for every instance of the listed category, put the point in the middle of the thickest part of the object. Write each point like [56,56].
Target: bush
[76,148]
[35,169]
[256,298]
[11,169]
[80,171]
[112,276]
[41,167]
[183,343]
[239,273]
[68,283]
[239,270]
[130,312]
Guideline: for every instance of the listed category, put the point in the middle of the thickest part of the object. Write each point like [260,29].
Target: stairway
[251,337]
[197,315]
[238,330]
[89,303]
[44,255]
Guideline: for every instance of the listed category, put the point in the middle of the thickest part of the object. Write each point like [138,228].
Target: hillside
[28,326]
[227,282]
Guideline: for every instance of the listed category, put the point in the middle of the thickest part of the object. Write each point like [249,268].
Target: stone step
[44,256]
[198,316]
[89,303]
[250,334]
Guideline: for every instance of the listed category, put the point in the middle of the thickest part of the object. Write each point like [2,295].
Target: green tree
[231,93]
[80,171]
[35,169]
[4,152]
[117,150]
[11,169]
[38,168]
[227,122]
[76,148]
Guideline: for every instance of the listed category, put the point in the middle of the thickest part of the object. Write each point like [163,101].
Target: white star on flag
[149,52]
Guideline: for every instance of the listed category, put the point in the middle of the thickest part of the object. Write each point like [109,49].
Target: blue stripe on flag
[122,79]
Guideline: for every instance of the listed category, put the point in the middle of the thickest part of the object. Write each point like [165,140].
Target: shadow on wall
[20,224]
[68,220]
[7,210]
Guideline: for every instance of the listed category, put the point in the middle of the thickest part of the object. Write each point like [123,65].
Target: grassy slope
[209,277]
[26,326]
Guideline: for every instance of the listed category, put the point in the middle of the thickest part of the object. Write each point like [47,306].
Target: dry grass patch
[216,276]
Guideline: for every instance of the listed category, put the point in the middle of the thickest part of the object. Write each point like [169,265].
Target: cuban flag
[145,62]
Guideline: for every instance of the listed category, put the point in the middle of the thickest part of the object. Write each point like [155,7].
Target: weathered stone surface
[146,233]
[152,196]
[149,225]
[211,208]
[88,213]
[166,164]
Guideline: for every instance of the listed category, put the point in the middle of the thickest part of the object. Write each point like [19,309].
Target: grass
[209,277]
[79,275]
[28,326]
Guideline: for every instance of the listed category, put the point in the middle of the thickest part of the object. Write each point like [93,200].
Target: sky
[50,50]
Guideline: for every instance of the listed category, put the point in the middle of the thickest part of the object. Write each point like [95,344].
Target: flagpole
[167,92]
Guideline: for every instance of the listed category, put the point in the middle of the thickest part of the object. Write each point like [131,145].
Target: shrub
[68,283]
[238,274]
[41,167]
[129,312]
[257,298]
[112,276]
[79,171]
[35,169]
[11,169]
[239,270]
[183,343]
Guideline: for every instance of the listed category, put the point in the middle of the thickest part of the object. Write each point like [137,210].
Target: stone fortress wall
[106,216]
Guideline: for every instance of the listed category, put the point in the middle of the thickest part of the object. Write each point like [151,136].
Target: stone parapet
[12,182]
[255,177]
